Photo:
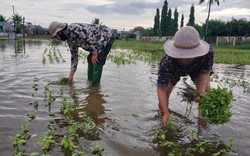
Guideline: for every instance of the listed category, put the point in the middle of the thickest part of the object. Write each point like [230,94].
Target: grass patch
[226,54]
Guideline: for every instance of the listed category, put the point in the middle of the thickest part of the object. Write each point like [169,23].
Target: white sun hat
[186,44]
[55,27]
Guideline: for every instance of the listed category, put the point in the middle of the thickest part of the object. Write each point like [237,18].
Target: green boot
[90,71]
[97,74]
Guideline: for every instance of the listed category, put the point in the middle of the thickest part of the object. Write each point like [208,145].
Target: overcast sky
[118,14]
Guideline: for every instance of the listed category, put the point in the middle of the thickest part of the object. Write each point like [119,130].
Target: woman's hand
[94,59]
[165,118]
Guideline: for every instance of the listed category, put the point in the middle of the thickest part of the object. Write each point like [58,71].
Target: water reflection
[92,104]
[19,46]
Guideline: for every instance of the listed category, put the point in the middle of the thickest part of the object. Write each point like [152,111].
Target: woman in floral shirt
[185,55]
[97,39]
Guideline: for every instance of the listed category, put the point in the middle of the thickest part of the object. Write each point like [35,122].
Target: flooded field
[121,117]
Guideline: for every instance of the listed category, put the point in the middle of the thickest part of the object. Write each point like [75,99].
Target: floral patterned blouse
[170,69]
[90,37]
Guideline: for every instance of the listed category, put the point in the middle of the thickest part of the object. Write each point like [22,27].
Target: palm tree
[2,18]
[17,21]
[210,2]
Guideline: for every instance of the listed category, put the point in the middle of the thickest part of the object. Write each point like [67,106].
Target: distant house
[2,27]
[5,30]
[6,27]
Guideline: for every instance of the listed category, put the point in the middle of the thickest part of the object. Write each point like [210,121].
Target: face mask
[62,36]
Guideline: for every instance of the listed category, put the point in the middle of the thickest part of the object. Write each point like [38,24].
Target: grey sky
[119,14]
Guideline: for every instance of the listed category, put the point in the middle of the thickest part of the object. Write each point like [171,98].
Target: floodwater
[124,107]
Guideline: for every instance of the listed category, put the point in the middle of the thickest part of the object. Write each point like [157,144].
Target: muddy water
[125,106]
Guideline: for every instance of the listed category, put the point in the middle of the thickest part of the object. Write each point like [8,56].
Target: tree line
[167,24]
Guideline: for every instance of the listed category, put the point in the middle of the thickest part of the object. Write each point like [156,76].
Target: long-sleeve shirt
[90,37]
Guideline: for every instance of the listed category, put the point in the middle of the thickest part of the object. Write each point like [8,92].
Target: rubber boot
[90,71]
[97,74]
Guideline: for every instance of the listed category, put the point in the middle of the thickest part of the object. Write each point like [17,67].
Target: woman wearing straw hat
[97,39]
[185,55]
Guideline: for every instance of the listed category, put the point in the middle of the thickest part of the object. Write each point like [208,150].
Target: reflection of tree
[18,45]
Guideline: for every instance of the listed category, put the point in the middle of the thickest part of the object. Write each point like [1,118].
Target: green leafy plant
[67,107]
[97,150]
[215,104]
[20,140]
[172,126]
[31,117]
[63,80]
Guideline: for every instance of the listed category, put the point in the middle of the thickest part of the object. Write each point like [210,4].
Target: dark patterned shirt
[90,37]
[171,69]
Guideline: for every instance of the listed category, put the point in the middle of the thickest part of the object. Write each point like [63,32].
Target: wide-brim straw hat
[55,27]
[186,44]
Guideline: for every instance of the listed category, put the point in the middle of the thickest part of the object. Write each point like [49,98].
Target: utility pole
[14,18]
[23,27]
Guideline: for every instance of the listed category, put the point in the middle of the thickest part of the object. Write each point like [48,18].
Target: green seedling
[20,140]
[63,80]
[67,144]
[88,127]
[31,117]
[172,126]
[97,150]
[67,107]
[47,142]
[168,144]
[49,97]
[135,115]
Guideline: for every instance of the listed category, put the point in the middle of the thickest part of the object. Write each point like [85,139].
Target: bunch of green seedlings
[167,139]
[215,104]
[53,55]
[63,80]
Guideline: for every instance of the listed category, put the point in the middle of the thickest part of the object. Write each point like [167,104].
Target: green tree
[164,13]
[157,22]
[2,18]
[182,21]
[210,2]
[217,28]
[96,21]
[169,23]
[175,21]
[191,16]
[143,31]
[240,27]
[17,21]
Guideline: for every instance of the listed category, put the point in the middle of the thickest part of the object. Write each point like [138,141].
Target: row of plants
[52,54]
[75,132]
